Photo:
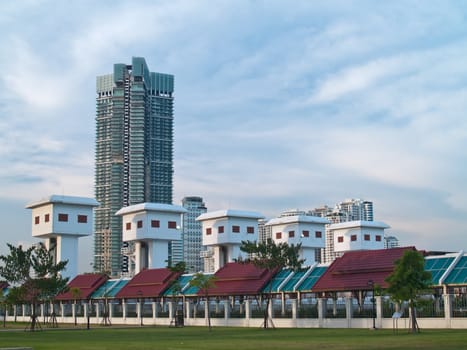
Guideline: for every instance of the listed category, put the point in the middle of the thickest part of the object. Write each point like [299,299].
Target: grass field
[113,338]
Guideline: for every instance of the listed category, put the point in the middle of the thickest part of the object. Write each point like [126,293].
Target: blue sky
[278,105]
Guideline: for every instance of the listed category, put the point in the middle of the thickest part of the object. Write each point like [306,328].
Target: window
[305,233]
[139,224]
[318,234]
[340,239]
[128,226]
[63,217]
[47,217]
[250,229]
[82,219]
[208,231]
[220,229]
[378,238]
[155,223]
[353,238]
[278,235]
[291,234]
[235,228]
[366,237]
[172,224]
[36,220]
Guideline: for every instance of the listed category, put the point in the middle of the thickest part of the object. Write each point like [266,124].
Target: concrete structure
[223,233]
[151,227]
[357,235]
[61,221]
[134,152]
[309,231]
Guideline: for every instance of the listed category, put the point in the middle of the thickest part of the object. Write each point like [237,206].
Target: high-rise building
[192,234]
[134,152]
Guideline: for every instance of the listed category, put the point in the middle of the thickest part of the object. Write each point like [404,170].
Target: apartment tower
[134,152]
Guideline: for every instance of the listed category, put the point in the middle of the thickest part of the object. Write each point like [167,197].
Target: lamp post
[371,284]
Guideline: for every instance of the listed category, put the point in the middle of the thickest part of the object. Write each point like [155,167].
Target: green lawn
[113,338]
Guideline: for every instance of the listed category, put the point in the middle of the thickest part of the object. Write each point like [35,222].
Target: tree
[407,282]
[176,288]
[272,257]
[203,283]
[33,274]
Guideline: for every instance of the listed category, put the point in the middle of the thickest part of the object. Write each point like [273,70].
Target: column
[124,310]
[379,311]
[321,311]
[247,309]
[294,309]
[348,311]
[447,309]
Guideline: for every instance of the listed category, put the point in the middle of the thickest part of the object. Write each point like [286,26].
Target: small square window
[340,239]
[305,233]
[37,220]
[139,224]
[128,226]
[82,219]
[250,229]
[278,235]
[366,237]
[47,217]
[208,231]
[353,238]
[220,229]
[155,223]
[291,234]
[63,217]
[235,228]
[378,238]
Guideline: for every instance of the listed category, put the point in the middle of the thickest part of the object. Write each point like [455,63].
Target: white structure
[60,221]
[223,233]
[357,235]
[304,229]
[151,227]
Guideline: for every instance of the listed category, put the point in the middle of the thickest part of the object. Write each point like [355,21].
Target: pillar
[294,309]
[321,311]
[247,309]
[447,309]
[124,309]
[379,311]
[348,311]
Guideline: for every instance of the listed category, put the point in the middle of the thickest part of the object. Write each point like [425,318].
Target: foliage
[34,275]
[272,257]
[408,281]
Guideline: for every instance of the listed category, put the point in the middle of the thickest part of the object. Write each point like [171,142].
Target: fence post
[379,311]
[348,311]
[447,309]
[321,311]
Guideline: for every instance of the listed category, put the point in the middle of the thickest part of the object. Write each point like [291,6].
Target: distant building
[391,242]
[134,152]
[192,234]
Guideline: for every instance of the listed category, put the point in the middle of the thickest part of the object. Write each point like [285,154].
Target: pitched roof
[86,283]
[148,283]
[355,269]
[239,279]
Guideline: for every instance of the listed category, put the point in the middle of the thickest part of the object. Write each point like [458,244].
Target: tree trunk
[413,319]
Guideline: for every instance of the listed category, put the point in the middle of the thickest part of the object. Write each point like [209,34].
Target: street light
[371,284]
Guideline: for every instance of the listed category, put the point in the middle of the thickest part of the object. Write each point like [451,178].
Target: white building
[61,221]
[356,235]
[150,227]
[223,233]
[309,231]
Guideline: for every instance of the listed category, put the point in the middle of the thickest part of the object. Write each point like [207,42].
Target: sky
[278,105]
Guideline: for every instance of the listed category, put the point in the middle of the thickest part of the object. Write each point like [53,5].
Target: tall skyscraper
[192,233]
[134,152]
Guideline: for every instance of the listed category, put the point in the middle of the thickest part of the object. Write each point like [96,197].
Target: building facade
[192,234]
[134,152]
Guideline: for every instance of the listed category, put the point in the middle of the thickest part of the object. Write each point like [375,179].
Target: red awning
[148,284]
[354,270]
[86,284]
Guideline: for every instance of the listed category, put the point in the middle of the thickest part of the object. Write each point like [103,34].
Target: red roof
[239,279]
[355,269]
[86,283]
[148,283]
